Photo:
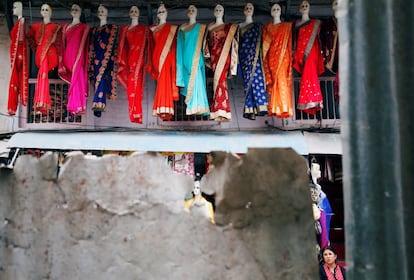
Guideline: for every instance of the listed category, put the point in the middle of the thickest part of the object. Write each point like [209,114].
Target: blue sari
[191,75]
[250,57]
[102,64]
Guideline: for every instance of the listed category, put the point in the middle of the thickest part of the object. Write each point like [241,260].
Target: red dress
[19,57]
[308,61]
[132,54]
[163,68]
[45,39]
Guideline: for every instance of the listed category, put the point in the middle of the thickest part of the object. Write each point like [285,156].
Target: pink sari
[74,65]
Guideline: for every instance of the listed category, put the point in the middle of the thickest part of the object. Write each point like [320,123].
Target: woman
[329,269]
[45,39]
[132,54]
[73,67]
[163,65]
[220,45]
[250,57]
[277,64]
[308,61]
[191,76]
[102,61]
[19,60]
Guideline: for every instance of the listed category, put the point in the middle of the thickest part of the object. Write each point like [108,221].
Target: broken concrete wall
[122,218]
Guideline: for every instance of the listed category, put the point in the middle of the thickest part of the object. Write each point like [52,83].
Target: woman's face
[46,11]
[276,10]
[75,11]
[248,9]
[304,7]
[134,12]
[329,257]
[219,11]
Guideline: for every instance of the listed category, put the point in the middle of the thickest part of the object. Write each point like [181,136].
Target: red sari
[19,57]
[308,61]
[277,64]
[133,48]
[73,68]
[219,46]
[45,39]
[163,68]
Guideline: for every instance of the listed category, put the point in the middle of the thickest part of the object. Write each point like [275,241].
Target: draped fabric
[102,70]
[132,56]
[277,64]
[191,76]
[308,61]
[163,69]
[45,40]
[73,68]
[19,61]
[219,46]
[250,57]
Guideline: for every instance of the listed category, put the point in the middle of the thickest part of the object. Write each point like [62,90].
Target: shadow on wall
[121,217]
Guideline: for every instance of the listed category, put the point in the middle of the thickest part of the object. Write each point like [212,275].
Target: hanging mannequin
[133,54]
[163,65]
[250,59]
[198,204]
[45,39]
[73,67]
[101,61]
[220,48]
[277,64]
[308,61]
[191,76]
[19,61]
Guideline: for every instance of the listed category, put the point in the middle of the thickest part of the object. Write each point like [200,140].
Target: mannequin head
[315,193]
[219,11]
[18,9]
[315,172]
[304,7]
[249,10]
[162,13]
[276,11]
[197,188]
[102,12]
[46,12]
[192,12]
[76,11]
[134,12]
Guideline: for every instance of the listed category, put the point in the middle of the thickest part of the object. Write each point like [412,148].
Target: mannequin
[198,204]
[101,61]
[277,64]
[45,39]
[308,61]
[220,48]
[73,67]
[133,51]
[191,76]
[19,61]
[162,66]
[250,59]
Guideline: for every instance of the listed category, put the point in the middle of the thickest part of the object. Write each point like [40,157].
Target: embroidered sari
[220,40]
[46,40]
[19,61]
[277,64]
[191,76]
[250,59]
[308,61]
[102,65]
[163,69]
[73,67]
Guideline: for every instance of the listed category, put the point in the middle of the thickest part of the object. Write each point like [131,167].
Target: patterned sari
[46,40]
[250,57]
[74,65]
[102,65]
[191,75]
[277,63]
[220,40]
[308,61]
[163,69]
[19,60]
[133,48]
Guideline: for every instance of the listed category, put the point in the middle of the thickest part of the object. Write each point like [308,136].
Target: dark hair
[328,247]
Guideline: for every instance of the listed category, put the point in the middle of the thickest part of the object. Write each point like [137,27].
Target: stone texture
[122,218]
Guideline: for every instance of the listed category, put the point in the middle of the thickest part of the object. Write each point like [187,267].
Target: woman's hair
[330,248]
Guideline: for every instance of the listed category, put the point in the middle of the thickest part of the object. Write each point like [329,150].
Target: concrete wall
[122,218]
